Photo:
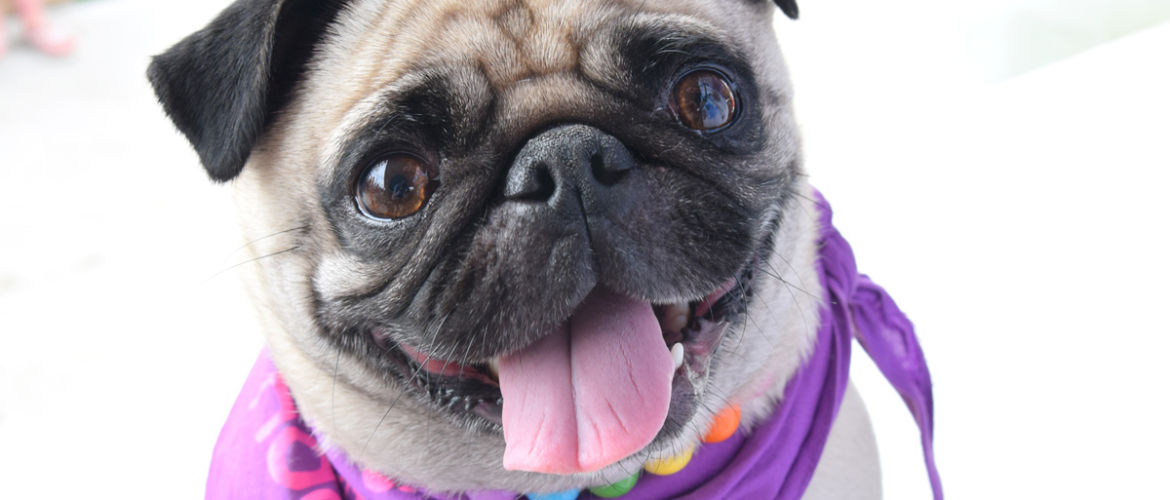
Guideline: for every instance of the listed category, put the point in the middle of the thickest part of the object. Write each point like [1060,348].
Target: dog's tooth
[674,317]
[677,352]
[493,366]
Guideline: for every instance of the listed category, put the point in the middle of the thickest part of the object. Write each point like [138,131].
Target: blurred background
[999,166]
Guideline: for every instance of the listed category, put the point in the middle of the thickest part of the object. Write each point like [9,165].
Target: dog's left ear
[223,84]
[789,7]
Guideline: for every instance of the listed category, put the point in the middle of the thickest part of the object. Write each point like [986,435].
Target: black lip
[457,395]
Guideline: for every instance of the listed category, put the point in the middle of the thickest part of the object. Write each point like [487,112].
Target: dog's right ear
[223,84]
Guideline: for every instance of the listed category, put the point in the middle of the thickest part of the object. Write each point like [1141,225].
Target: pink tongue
[589,393]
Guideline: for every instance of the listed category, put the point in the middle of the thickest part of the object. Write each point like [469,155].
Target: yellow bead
[670,465]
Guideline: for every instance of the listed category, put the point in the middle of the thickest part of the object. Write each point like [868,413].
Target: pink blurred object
[36,29]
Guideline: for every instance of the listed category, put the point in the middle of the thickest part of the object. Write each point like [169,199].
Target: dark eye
[394,188]
[703,100]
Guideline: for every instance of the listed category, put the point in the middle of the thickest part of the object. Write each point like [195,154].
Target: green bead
[616,489]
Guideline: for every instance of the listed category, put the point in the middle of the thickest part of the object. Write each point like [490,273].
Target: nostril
[545,186]
[606,173]
[534,183]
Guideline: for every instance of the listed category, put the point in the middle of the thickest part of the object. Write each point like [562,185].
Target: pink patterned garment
[266,451]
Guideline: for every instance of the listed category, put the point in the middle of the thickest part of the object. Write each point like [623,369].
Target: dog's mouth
[618,374]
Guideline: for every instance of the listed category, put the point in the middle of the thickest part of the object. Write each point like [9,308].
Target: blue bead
[561,495]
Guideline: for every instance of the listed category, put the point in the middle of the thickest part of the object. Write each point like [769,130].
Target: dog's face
[481,227]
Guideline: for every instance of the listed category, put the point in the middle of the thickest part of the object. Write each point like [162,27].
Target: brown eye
[394,188]
[703,100]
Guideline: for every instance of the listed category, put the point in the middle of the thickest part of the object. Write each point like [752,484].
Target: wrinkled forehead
[516,62]
[511,41]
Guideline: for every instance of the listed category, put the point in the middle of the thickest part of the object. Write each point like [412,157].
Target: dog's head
[490,221]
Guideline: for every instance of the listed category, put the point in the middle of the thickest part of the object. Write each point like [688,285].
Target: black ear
[223,84]
[789,7]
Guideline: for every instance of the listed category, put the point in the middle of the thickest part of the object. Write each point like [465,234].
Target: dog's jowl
[540,248]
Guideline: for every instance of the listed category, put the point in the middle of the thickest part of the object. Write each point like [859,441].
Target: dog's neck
[776,459]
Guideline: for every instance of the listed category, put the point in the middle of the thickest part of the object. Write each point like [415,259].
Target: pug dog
[522,245]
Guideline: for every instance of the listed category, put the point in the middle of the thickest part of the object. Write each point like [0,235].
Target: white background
[999,166]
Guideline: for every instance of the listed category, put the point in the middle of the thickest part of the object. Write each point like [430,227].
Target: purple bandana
[266,451]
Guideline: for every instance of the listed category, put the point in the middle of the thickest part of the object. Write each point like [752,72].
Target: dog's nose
[570,161]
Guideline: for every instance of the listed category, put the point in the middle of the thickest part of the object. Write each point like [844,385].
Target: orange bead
[725,424]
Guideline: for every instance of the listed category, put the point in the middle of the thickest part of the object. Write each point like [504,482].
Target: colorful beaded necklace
[723,427]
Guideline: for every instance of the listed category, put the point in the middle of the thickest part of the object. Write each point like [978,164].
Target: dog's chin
[468,393]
